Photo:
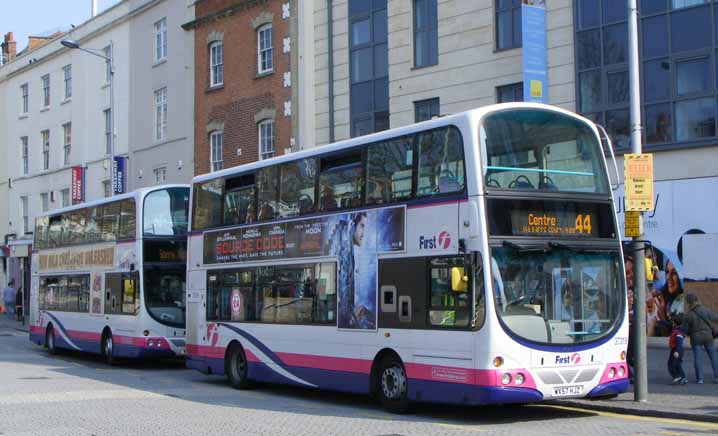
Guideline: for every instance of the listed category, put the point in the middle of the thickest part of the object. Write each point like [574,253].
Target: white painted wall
[176,74]
[90,97]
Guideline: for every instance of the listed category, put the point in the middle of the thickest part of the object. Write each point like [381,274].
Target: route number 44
[583,224]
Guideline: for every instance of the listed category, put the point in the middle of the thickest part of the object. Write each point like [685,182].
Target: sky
[35,17]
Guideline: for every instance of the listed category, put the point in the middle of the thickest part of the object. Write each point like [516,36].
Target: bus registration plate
[565,391]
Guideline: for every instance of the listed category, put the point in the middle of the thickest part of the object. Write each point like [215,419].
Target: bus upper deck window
[441,162]
[341,182]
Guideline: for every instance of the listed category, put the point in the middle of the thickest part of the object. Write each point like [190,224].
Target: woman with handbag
[699,327]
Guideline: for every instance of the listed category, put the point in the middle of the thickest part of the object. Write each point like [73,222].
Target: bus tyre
[237,368]
[393,385]
[108,349]
[50,340]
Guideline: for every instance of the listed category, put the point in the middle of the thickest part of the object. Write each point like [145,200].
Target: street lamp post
[72,44]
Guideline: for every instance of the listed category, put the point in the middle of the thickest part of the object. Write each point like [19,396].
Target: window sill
[501,50]
[264,74]
[423,67]
[22,116]
[66,101]
[159,62]
[215,88]
[45,109]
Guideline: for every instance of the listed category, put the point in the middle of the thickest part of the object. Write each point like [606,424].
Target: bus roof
[459,118]
[133,194]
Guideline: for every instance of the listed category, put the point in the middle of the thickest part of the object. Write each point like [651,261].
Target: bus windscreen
[533,149]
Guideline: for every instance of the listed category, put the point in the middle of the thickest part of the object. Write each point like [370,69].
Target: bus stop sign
[638,178]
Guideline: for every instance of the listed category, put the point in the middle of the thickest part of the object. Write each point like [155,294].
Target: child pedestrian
[675,359]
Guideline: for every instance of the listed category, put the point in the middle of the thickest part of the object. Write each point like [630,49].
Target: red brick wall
[244,93]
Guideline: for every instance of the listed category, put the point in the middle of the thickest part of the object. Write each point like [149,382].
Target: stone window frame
[265,54]
[215,129]
[216,64]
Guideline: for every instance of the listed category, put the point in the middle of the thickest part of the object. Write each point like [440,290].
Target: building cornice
[238,6]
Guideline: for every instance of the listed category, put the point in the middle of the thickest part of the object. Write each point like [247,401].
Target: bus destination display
[553,223]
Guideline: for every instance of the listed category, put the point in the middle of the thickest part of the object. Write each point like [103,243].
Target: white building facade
[56,110]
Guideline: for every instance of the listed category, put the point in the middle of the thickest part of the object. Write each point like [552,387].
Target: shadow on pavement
[169,378]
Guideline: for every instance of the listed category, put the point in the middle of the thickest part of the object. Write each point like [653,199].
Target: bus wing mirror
[458,280]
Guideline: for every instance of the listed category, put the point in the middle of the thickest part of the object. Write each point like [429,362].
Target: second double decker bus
[470,259]
[108,276]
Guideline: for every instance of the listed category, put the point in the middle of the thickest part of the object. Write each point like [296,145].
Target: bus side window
[110,221]
[239,200]
[341,182]
[55,232]
[441,162]
[41,228]
[297,187]
[94,220]
[389,170]
[207,207]
[128,219]
[267,193]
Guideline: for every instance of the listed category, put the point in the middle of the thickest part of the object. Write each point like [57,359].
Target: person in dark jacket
[698,323]
[18,304]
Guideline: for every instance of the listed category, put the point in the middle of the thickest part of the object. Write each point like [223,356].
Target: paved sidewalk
[12,325]
[692,401]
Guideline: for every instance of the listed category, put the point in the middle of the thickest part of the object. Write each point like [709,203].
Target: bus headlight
[150,343]
[505,378]
[498,361]
[621,371]
[519,379]
[612,372]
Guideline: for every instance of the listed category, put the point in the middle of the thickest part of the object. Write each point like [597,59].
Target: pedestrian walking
[18,304]
[699,327]
[675,358]
[9,298]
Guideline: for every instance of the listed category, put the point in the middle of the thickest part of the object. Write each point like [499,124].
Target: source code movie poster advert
[355,239]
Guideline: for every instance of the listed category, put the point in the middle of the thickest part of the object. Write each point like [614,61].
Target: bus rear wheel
[107,347]
[393,386]
[237,368]
[50,340]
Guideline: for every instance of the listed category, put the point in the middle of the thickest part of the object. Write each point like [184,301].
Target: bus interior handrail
[604,134]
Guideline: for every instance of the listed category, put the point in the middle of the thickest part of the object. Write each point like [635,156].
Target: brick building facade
[243,92]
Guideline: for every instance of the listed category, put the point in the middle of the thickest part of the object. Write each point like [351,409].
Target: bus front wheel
[393,385]
[50,340]
[107,346]
[237,368]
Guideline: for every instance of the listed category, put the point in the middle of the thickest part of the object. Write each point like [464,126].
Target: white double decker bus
[470,259]
[108,276]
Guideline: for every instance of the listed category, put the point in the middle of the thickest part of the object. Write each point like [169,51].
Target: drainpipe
[330,49]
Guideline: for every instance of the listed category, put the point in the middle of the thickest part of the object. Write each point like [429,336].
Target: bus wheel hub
[393,382]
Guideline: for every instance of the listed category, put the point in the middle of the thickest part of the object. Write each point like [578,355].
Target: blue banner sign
[533,30]
[119,170]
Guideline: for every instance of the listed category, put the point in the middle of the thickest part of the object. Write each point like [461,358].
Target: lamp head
[70,43]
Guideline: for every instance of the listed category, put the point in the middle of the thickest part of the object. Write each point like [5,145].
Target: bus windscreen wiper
[520,248]
[551,245]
